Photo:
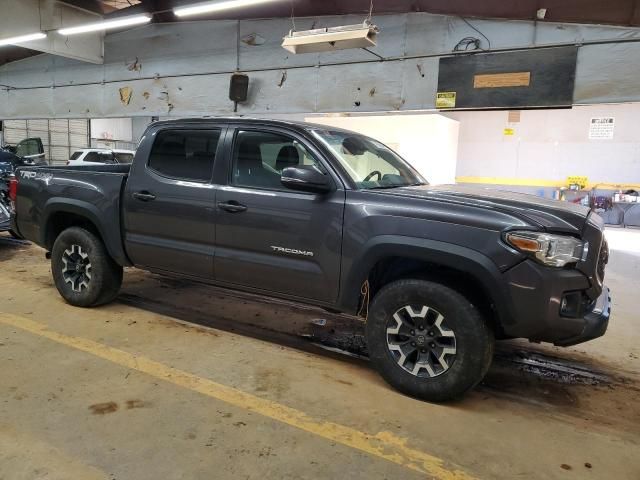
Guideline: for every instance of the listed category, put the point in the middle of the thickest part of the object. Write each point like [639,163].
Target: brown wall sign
[497,80]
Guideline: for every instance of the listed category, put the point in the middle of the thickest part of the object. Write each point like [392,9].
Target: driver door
[271,238]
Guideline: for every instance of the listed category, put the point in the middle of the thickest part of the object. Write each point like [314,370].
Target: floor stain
[103,408]
[137,404]
[271,380]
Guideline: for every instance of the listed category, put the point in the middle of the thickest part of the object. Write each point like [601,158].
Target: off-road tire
[474,340]
[105,273]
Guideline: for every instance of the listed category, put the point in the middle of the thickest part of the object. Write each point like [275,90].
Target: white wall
[112,129]
[550,145]
[428,142]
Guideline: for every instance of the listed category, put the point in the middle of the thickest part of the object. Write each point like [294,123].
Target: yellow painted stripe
[383,445]
[536,182]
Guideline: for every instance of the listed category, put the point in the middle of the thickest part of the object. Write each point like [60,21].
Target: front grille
[603,259]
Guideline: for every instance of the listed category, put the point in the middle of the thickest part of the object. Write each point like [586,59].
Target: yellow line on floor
[383,445]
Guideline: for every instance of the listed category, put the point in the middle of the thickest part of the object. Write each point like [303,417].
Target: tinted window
[91,157]
[76,155]
[124,157]
[106,157]
[187,154]
[260,157]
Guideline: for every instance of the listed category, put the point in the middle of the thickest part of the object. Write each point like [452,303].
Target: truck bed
[45,193]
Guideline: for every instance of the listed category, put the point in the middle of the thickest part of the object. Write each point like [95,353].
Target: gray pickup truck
[335,219]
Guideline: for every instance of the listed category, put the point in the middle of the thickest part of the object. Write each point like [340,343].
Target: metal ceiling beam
[31,16]
[93,6]
[612,12]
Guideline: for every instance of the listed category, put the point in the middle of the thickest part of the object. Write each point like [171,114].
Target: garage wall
[547,146]
[428,142]
[60,137]
[184,69]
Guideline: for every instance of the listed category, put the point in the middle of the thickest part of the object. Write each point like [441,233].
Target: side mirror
[306,179]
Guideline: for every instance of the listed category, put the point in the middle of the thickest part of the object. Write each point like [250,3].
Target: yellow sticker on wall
[446,100]
[509,132]
[579,180]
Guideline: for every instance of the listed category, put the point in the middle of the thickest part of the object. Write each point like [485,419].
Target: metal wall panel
[78,127]
[78,140]
[14,131]
[58,155]
[59,137]
[183,69]
[38,124]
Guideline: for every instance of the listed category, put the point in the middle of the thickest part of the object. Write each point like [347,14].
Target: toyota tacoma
[335,219]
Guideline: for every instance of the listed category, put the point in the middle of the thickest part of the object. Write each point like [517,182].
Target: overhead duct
[330,39]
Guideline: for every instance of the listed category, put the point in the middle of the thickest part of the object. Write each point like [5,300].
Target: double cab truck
[334,219]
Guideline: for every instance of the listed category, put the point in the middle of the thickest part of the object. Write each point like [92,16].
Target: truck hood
[549,214]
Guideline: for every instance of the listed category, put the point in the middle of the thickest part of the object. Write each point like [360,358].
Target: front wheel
[84,273]
[427,340]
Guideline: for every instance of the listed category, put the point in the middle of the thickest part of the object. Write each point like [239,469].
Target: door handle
[232,206]
[144,196]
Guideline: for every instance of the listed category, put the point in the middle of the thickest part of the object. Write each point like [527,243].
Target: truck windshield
[368,162]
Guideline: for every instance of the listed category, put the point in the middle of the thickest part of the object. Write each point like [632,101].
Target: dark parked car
[28,152]
[335,219]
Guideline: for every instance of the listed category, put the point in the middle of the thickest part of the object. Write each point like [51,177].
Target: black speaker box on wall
[239,87]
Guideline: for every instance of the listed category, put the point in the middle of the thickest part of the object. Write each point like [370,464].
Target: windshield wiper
[383,187]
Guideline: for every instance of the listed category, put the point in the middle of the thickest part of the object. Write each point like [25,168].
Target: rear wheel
[84,273]
[427,340]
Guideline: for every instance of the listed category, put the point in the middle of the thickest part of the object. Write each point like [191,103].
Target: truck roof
[293,124]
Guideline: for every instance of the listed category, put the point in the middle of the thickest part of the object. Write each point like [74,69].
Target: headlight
[548,249]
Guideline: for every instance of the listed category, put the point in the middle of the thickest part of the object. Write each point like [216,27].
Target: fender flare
[456,257]
[110,236]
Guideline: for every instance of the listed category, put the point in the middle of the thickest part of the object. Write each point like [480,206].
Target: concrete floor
[177,380]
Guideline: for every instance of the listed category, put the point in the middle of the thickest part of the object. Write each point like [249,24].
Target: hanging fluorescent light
[22,39]
[331,39]
[209,7]
[106,25]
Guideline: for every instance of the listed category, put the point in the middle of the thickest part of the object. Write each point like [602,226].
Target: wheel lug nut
[433,345]
[413,332]
[413,344]
[431,334]
[423,351]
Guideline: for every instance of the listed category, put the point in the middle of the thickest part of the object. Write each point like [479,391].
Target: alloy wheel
[76,269]
[420,342]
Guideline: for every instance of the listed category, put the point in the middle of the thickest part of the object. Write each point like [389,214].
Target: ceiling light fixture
[332,38]
[210,7]
[106,25]
[22,39]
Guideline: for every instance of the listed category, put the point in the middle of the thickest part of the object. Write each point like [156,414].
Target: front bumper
[536,292]
[595,322]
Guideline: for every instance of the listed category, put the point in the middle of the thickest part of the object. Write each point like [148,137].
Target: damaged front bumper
[595,322]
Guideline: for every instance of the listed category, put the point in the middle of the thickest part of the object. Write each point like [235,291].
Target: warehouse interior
[522,110]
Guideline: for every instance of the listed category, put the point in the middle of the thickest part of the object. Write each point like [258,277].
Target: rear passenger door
[271,238]
[169,202]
